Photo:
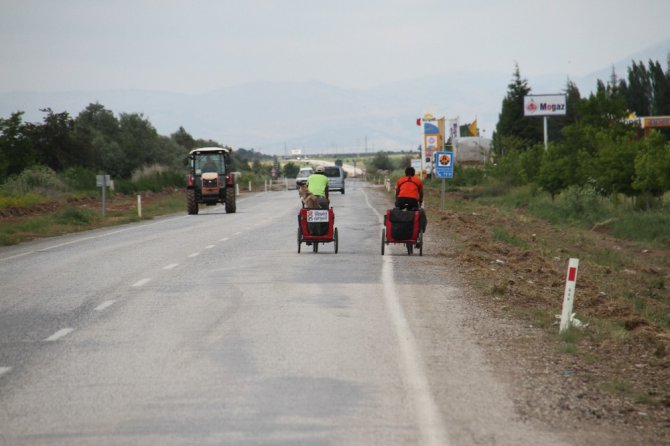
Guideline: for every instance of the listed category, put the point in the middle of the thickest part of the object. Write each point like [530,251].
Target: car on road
[336,176]
[301,178]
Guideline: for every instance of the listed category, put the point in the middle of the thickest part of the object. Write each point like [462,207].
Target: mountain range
[276,117]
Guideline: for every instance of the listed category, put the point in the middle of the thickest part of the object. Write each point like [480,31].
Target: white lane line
[224,239]
[429,419]
[195,254]
[104,305]
[4,370]
[171,265]
[83,239]
[209,246]
[431,426]
[59,334]
[142,282]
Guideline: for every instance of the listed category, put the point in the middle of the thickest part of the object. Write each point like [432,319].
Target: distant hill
[272,117]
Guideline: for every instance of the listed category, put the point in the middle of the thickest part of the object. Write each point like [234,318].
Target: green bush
[153,178]
[76,217]
[37,179]
[80,178]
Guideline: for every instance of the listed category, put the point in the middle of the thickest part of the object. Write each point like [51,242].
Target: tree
[54,142]
[291,169]
[511,120]
[16,150]
[652,166]
[381,161]
[614,164]
[661,88]
[97,129]
[639,91]
[556,169]
[184,139]
[139,142]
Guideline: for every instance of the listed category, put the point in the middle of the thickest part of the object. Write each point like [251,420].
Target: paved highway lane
[212,329]
[208,329]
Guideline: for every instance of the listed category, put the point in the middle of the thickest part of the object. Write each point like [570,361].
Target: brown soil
[616,376]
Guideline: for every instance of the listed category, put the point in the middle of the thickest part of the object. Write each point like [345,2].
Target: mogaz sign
[544,105]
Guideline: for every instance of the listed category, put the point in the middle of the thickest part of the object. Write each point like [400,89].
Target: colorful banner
[454,129]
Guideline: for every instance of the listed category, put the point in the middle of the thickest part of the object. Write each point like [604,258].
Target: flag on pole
[472,128]
[454,129]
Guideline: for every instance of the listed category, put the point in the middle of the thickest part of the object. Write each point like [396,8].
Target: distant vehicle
[301,178]
[336,177]
[210,179]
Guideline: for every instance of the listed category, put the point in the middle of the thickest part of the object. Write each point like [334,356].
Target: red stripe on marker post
[572,274]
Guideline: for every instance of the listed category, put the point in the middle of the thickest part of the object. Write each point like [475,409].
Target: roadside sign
[102,180]
[444,164]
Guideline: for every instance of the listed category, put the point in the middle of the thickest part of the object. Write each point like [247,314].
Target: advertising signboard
[430,124]
[544,105]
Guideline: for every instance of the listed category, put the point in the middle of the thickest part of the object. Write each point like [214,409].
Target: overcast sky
[199,45]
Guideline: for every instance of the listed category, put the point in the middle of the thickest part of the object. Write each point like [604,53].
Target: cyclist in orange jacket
[409,195]
[409,191]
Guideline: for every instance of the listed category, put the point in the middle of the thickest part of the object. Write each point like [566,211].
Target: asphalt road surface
[212,329]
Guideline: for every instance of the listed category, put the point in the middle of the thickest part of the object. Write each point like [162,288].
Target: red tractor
[210,179]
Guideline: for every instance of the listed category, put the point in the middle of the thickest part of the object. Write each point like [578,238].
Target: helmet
[319,170]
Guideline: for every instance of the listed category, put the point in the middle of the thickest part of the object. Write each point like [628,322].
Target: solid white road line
[195,254]
[433,431]
[171,265]
[4,370]
[431,426]
[105,304]
[142,282]
[209,246]
[59,334]
[83,239]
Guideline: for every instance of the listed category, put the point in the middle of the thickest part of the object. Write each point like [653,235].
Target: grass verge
[78,217]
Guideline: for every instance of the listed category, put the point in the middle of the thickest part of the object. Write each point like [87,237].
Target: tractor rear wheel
[191,203]
[230,200]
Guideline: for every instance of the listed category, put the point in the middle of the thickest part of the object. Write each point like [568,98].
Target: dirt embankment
[613,375]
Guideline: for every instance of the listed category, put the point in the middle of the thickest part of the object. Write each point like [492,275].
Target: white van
[301,178]
[336,177]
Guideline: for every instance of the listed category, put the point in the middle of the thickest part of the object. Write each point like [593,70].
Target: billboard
[430,124]
[544,105]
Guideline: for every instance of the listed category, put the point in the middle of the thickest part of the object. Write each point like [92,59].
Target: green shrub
[80,178]
[153,178]
[73,216]
[37,179]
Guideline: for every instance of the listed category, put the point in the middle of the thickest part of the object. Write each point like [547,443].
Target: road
[212,329]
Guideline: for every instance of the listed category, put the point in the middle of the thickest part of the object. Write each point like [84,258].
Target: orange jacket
[409,187]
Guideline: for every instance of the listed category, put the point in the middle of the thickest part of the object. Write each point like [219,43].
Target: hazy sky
[199,45]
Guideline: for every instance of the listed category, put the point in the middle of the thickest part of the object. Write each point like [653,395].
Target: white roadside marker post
[569,296]
[139,206]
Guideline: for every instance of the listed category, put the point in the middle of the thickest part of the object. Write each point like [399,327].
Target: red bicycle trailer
[403,226]
[317,226]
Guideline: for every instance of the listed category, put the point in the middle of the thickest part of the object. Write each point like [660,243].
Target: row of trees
[99,141]
[596,143]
